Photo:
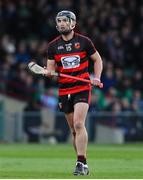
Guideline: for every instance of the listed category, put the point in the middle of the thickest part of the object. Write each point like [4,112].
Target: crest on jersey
[69,62]
[77,45]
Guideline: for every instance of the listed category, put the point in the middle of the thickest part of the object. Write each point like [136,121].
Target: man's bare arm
[51,66]
[98,67]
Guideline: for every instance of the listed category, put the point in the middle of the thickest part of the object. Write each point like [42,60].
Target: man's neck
[68,37]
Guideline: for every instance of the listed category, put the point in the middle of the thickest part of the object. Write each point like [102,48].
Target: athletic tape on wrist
[97,79]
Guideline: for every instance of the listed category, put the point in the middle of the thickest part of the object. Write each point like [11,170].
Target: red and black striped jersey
[72,58]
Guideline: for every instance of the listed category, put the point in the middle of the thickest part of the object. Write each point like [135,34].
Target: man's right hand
[49,73]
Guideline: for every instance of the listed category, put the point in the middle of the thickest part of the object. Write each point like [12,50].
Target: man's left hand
[96,82]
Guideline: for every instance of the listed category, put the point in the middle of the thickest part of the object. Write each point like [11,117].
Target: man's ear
[73,24]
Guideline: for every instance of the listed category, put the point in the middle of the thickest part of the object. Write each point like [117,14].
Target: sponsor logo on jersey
[60,47]
[69,62]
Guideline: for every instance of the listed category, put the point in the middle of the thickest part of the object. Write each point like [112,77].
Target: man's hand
[48,73]
[96,82]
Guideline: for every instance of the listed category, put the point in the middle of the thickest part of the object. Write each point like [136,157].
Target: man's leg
[81,140]
[80,112]
[69,118]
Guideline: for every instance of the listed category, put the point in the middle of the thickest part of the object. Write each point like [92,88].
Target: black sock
[81,159]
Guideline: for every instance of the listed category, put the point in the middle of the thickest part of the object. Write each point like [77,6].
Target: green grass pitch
[58,161]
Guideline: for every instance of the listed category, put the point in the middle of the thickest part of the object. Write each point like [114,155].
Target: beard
[65,32]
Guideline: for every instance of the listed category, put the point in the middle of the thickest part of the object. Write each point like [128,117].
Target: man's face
[64,25]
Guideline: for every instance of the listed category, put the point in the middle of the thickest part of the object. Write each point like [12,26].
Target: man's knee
[78,126]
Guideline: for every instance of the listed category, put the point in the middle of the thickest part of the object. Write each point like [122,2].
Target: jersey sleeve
[90,47]
[50,52]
